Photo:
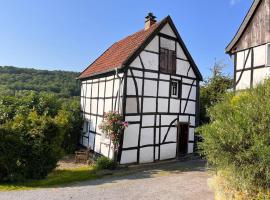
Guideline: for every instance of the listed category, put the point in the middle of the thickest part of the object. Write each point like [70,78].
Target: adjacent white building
[152,80]
[250,47]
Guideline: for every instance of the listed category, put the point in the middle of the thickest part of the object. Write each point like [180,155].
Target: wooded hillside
[62,83]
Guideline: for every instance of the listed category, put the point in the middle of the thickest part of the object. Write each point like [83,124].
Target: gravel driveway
[178,180]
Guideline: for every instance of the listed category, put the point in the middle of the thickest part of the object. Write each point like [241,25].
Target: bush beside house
[237,144]
[35,131]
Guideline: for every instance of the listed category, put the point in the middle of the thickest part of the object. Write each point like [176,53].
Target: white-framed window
[86,127]
[174,88]
[267,56]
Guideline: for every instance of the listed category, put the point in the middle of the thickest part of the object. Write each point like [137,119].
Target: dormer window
[167,61]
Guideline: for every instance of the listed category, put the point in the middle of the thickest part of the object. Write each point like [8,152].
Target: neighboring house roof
[244,25]
[123,52]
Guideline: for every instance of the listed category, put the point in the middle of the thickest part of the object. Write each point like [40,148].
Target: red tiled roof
[118,53]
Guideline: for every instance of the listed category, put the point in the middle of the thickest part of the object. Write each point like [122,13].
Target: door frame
[178,137]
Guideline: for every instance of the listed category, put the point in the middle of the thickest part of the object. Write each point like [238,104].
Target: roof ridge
[118,51]
[137,32]
[252,10]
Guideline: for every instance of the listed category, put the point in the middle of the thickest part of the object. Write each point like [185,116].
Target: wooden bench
[82,156]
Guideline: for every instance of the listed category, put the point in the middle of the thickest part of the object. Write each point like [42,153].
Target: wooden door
[182,148]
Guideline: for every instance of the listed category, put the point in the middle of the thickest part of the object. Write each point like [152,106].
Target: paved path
[181,180]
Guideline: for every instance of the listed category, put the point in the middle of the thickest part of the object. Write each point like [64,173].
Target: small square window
[174,89]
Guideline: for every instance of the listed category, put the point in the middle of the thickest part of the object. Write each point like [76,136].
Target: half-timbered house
[250,47]
[151,79]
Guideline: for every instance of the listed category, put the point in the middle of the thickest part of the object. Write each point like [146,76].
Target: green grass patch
[56,178]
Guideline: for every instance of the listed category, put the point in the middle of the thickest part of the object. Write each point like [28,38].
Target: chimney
[149,21]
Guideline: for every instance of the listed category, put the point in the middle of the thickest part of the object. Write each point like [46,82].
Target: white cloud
[233,2]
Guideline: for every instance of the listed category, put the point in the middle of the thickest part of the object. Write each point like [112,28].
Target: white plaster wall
[149,105]
[191,134]
[131,136]
[94,90]
[108,105]
[191,73]
[163,90]
[98,90]
[193,93]
[240,60]
[190,147]
[150,60]
[187,80]
[183,118]
[147,136]
[109,88]
[164,77]
[185,91]
[244,82]
[192,120]
[167,43]
[171,137]
[105,149]
[168,30]
[174,106]
[260,55]
[150,88]
[87,105]
[191,107]
[167,151]
[180,52]
[136,63]
[182,67]
[133,118]
[146,155]
[259,75]
[129,156]
[163,105]
[131,90]
[87,90]
[167,119]
[150,75]
[148,120]
[153,45]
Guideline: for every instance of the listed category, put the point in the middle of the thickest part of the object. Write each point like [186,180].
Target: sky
[70,34]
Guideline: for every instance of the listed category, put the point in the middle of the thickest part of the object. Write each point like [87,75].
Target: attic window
[167,61]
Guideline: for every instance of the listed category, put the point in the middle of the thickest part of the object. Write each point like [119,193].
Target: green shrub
[105,163]
[30,147]
[35,131]
[10,148]
[237,140]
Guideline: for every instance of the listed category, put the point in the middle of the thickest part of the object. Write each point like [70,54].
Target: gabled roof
[244,25]
[123,52]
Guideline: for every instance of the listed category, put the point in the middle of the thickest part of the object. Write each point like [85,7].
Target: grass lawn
[56,178]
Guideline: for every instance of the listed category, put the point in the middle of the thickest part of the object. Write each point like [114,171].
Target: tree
[213,89]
